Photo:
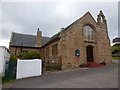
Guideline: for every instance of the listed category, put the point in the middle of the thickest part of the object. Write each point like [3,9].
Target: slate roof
[29,40]
[116,40]
[25,40]
[56,36]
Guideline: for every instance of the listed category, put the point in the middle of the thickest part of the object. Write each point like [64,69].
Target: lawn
[116,58]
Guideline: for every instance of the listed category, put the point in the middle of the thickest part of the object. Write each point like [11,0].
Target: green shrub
[29,55]
[103,62]
[82,65]
[115,49]
[13,57]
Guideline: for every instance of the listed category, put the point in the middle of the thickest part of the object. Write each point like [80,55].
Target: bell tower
[104,48]
[101,21]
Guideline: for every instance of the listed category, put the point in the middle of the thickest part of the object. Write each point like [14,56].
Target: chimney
[39,38]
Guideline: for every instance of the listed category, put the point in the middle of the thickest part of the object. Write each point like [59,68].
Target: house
[4,56]
[116,40]
[116,47]
[20,43]
[85,40]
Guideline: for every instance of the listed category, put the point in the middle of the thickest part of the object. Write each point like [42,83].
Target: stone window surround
[55,49]
[94,29]
[88,33]
[47,51]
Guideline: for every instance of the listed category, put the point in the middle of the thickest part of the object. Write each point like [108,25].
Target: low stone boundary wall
[52,61]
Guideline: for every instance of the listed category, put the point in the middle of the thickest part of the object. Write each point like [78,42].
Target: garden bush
[29,55]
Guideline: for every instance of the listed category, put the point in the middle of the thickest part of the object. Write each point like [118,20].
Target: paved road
[101,77]
[116,61]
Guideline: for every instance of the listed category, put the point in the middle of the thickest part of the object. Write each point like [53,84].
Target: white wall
[28,68]
[4,57]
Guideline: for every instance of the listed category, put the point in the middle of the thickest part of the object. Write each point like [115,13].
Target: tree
[116,49]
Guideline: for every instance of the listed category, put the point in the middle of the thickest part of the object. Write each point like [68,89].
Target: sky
[26,17]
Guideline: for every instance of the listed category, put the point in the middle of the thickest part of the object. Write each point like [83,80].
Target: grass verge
[116,58]
[8,80]
[114,63]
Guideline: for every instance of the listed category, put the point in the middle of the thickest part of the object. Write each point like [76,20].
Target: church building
[85,40]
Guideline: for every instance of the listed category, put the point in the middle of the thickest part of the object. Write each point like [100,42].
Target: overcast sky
[26,17]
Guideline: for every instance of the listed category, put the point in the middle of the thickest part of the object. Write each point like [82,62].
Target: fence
[10,72]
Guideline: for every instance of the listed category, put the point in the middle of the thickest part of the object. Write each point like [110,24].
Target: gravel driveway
[101,77]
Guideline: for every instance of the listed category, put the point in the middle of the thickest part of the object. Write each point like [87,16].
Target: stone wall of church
[49,58]
[70,41]
[104,48]
[73,39]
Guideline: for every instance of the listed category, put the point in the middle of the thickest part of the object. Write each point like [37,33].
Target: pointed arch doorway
[89,53]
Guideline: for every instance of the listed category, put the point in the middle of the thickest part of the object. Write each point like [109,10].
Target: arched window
[88,33]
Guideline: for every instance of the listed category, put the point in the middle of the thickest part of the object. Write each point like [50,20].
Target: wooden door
[89,52]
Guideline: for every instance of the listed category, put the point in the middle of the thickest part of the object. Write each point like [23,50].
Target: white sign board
[28,68]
